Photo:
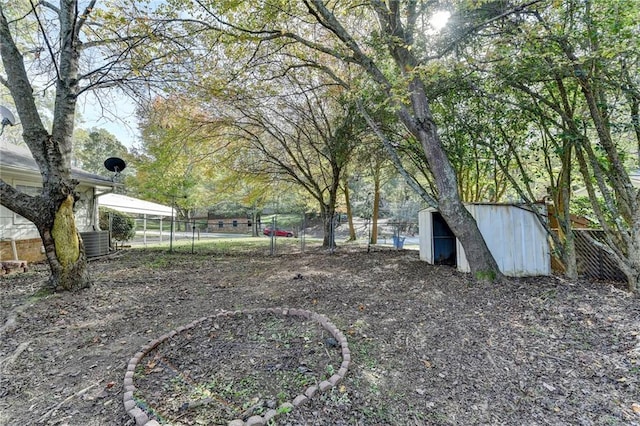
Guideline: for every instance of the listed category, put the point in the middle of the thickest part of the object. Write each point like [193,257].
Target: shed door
[444,242]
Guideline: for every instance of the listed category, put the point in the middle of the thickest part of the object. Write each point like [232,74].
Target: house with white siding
[19,238]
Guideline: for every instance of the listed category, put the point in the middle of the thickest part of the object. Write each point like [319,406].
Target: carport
[136,206]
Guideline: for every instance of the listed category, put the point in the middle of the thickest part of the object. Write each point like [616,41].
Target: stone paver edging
[142,418]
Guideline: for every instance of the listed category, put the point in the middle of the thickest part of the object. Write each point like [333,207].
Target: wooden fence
[593,262]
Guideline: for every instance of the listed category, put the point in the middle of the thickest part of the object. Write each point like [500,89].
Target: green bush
[123,226]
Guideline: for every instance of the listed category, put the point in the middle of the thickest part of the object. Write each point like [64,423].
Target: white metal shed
[513,234]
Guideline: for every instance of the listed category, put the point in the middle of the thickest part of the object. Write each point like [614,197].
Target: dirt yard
[428,346]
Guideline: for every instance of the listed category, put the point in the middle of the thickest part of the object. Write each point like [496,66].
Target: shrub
[123,226]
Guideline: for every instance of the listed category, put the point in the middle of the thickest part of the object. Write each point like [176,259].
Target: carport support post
[193,236]
[111,229]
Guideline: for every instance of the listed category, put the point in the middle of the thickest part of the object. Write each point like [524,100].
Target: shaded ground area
[236,365]
[428,345]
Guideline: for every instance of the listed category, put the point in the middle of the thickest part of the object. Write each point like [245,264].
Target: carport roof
[126,204]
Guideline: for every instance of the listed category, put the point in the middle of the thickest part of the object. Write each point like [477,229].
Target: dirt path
[428,346]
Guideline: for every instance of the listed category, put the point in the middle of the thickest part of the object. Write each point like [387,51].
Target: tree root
[5,362]
[81,392]
[10,323]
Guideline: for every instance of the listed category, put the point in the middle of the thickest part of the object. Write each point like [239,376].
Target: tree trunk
[569,255]
[254,223]
[63,245]
[375,210]
[633,272]
[420,123]
[347,201]
[329,238]
[629,265]
[52,214]
[328,210]
[71,276]
[64,250]
[52,211]
[564,224]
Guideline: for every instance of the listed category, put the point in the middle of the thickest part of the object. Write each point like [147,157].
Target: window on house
[235,223]
[220,224]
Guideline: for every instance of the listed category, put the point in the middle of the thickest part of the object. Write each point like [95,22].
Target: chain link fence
[286,236]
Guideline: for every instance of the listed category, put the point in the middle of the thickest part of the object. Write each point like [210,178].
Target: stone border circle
[142,418]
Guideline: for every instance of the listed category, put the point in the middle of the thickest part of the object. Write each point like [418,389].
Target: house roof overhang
[18,161]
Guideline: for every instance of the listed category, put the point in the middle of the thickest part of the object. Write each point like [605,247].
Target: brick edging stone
[142,418]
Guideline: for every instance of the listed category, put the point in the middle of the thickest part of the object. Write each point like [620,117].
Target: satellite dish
[115,164]
[7,118]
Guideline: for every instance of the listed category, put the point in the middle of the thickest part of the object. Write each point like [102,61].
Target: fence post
[111,229]
[193,236]
[273,236]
